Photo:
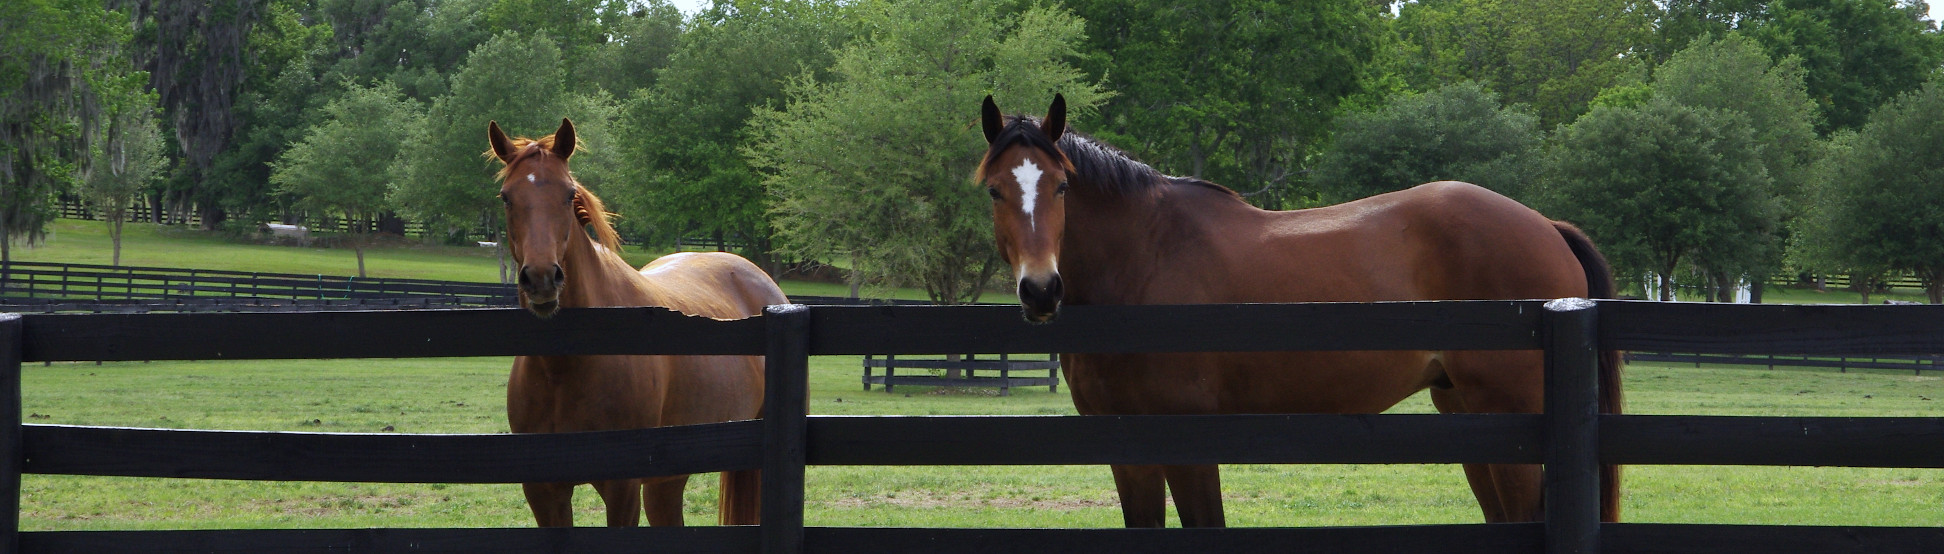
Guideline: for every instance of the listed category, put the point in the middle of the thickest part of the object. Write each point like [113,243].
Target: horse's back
[713,284]
[1446,240]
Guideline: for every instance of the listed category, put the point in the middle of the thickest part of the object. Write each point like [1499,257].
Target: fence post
[11,457]
[1572,472]
[786,397]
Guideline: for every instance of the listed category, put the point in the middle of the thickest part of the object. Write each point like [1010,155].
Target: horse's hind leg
[1498,382]
[552,503]
[1142,495]
[662,496]
[742,495]
[1197,493]
[623,499]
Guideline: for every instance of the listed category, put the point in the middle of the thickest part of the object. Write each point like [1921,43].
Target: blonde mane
[587,207]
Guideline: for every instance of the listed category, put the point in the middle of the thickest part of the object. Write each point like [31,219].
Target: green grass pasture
[150,245]
[467,396]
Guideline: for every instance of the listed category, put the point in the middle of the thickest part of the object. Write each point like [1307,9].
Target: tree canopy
[873,165]
[1882,195]
[1458,132]
[1658,184]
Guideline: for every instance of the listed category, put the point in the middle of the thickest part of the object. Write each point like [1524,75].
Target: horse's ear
[563,145]
[1055,123]
[502,146]
[991,119]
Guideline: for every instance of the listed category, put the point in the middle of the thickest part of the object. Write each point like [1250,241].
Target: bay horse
[1083,223]
[562,264]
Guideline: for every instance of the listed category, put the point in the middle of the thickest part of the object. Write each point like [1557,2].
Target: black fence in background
[85,283]
[1570,438]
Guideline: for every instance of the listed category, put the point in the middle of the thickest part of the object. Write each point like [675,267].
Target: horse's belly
[1256,382]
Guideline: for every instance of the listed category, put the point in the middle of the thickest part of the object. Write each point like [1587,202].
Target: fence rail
[1570,438]
[85,283]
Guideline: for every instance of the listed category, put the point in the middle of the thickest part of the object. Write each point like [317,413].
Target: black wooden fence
[99,283]
[1570,438]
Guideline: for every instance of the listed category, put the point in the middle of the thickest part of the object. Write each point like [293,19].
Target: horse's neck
[599,278]
[1118,242]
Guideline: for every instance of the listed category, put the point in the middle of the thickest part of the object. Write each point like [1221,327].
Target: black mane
[1094,164]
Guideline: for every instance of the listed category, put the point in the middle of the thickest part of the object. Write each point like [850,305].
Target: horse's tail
[1599,284]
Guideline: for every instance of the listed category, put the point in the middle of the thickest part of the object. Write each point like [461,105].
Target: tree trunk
[1724,287]
[1934,286]
[1755,290]
[1667,286]
[115,234]
[1863,285]
[500,250]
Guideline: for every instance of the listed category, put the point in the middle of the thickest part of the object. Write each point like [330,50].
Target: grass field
[149,245]
[467,396]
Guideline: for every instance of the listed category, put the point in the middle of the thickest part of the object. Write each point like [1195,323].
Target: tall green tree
[1458,132]
[197,59]
[1553,55]
[1857,54]
[445,181]
[1657,184]
[1883,203]
[59,61]
[682,140]
[1236,91]
[128,159]
[1734,75]
[872,166]
[638,46]
[344,167]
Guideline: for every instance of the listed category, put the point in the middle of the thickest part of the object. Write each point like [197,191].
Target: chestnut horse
[563,265]
[1082,223]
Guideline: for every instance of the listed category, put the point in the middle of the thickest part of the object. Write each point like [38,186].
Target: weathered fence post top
[1569,304]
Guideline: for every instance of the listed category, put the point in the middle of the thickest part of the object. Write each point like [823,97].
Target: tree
[638,48]
[444,180]
[1884,194]
[1235,91]
[58,60]
[1857,53]
[1734,75]
[1554,55]
[682,140]
[1459,132]
[345,165]
[197,62]
[127,161]
[873,164]
[1655,184]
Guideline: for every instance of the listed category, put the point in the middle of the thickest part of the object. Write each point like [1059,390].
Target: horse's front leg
[623,500]
[552,503]
[1197,494]
[1142,495]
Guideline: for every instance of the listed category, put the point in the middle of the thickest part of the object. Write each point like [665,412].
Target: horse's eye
[1061,190]
[504,199]
[993,191]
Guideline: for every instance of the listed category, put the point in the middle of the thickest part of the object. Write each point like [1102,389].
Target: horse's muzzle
[1039,298]
[540,289]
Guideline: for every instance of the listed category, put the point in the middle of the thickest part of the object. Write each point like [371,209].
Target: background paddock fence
[1570,438]
[1916,363]
[85,283]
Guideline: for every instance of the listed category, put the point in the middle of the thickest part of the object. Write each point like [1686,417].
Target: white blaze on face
[530,178]
[1028,176]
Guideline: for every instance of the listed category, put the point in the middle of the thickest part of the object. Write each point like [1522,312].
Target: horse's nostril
[560,275]
[523,280]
